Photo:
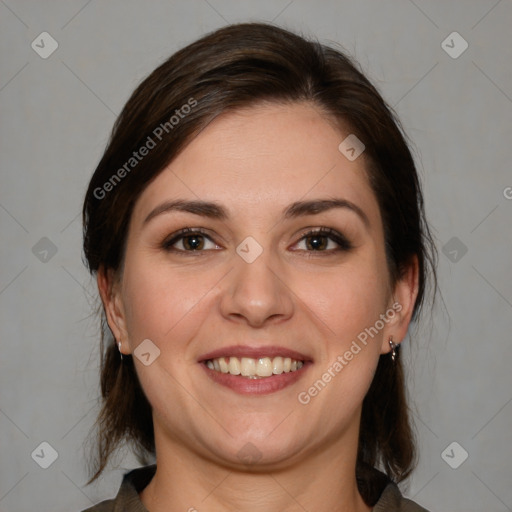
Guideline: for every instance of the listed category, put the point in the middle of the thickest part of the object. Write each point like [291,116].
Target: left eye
[323,240]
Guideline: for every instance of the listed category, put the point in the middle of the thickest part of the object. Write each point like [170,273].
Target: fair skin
[303,293]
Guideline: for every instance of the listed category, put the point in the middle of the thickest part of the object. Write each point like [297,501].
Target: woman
[257,231]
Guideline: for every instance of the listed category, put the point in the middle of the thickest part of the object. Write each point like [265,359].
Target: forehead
[262,158]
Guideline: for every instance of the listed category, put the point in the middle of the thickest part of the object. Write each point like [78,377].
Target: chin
[256,449]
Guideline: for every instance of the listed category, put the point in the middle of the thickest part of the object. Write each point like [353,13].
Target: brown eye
[193,242]
[316,242]
[323,240]
[189,240]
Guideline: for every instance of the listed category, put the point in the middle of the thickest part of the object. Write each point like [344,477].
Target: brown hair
[238,66]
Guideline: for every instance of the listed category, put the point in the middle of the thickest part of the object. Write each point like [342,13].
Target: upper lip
[254,352]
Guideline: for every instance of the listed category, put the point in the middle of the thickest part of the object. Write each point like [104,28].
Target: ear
[402,304]
[109,288]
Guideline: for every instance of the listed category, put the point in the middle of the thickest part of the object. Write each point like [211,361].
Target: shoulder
[391,500]
[104,506]
[127,499]
[381,493]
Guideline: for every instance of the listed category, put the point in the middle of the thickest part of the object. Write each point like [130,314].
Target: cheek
[348,304]
[162,302]
[347,300]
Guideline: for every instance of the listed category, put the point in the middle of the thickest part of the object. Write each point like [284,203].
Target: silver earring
[393,348]
[119,347]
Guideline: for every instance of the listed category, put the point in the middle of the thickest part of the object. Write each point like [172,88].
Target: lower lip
[262,386]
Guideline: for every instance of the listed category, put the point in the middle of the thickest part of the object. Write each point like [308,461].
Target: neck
[321,481]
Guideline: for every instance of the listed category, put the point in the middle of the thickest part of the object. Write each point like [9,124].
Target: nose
[256,294]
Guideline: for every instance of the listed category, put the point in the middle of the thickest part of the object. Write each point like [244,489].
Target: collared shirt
[128,500]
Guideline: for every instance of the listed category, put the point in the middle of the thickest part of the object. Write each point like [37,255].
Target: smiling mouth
[252,368]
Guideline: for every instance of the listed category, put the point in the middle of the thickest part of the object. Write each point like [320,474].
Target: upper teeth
[249,367]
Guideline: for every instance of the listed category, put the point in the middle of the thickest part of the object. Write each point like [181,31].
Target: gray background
[56,115]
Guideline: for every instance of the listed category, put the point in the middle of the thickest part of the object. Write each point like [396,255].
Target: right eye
[190,240]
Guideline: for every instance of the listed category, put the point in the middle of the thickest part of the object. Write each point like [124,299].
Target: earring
[119,347]
[394,347]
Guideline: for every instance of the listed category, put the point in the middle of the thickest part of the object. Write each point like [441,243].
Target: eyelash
[343,243]
[338,238]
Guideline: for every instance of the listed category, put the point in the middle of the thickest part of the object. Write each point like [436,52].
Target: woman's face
[280,280]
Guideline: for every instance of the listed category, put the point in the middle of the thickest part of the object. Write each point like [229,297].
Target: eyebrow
[214,210]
